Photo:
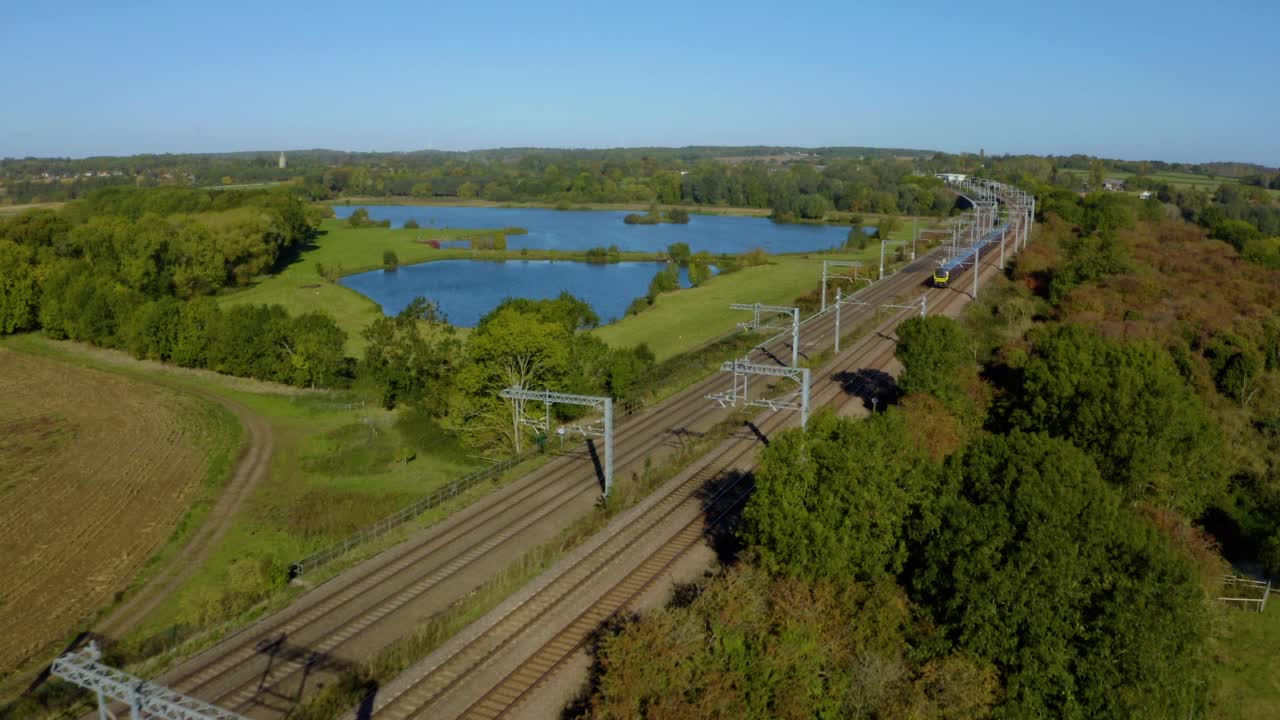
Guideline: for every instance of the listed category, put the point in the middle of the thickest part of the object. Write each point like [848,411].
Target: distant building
[951,177]
[282,162]
[1145,194]
[1113,184]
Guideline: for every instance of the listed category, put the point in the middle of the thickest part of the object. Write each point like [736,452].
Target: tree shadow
[596,462]
[293,255]
[279,651]
[877,388]
[364,709]
[79,641]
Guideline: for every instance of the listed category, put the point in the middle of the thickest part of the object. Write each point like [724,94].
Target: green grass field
[688,318]
[1247,665]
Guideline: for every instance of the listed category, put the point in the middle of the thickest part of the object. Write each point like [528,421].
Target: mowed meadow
[98,473]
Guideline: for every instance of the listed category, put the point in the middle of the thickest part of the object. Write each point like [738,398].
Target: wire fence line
[404,515]
[1246,591]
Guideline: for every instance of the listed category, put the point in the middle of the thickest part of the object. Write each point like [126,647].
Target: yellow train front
[941,277]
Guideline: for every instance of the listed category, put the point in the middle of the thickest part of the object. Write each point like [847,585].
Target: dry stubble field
[95,472]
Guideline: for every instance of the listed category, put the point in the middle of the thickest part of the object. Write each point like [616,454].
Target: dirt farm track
[95,472]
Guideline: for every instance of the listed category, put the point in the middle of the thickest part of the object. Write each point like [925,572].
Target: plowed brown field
[95,472]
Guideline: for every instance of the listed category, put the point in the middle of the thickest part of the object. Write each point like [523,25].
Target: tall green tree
[19,288]
[511,349]
[316,347]
[411,358]
[833,500]
[1028,559]
[933,351]
[1129,408]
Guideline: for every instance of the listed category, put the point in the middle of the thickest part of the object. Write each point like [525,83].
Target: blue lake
[584,229]
[467,289]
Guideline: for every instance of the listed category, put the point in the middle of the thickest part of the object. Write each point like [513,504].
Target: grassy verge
[686,319]
[1247,665]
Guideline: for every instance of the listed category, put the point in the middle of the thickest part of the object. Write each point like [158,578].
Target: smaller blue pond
[467,289]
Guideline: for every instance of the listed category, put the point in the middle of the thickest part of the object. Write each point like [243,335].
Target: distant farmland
[98,471]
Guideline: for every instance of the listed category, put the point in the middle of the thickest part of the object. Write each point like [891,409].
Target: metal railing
[404,515]
[1246,591]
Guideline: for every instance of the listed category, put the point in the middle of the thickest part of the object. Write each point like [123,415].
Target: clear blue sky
[1168,80]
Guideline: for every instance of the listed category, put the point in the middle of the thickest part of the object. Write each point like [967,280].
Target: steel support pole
[915,235]
[1032,220]
[608,445]
[977,257]
[804,398]
[103,713]
[795,337]
[881,276]
[1002,249]
[824,285]
[837,321]
[515,429]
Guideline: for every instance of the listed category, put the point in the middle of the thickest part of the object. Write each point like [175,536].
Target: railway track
[519,650]
[265,669]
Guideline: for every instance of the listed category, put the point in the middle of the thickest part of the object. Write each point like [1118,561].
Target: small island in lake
[678,216]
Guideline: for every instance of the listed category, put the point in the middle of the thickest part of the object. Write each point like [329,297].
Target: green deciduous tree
[1086,258]
[752,646]
[19,288]
[316,348]
[197,329]
[411,358]
[833,501]
[153,329]
[679,253]
[933,351]
[1028,559]
[1237,233]
[511,349]
[1129,408]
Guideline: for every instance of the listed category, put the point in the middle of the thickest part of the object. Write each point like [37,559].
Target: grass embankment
[686,319]
[1247,663]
